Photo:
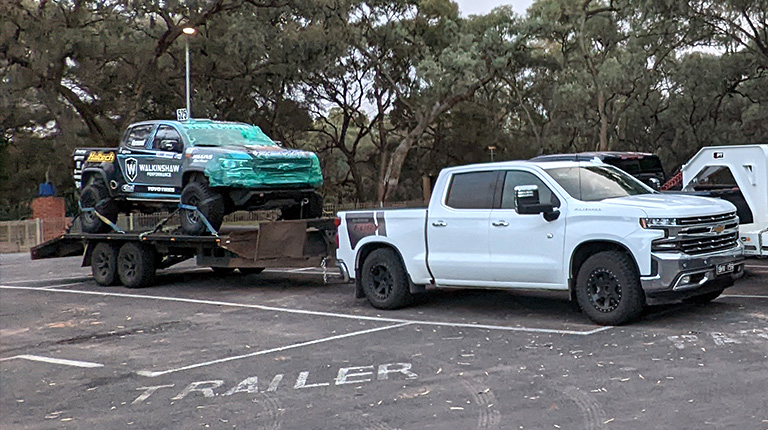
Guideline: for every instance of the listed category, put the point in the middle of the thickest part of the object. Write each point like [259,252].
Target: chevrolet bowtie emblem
[718,229]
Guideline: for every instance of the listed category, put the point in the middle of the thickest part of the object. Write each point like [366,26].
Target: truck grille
[701,235]
[288,169]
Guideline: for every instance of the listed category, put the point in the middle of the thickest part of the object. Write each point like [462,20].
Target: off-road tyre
[312,209]
[385,281]
[96,195]
[104,264]
[608,289]
[704,298]
[209,202]
[250,270]
[136,265]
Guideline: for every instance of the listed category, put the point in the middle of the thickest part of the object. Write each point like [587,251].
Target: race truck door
[150,158]
[457,229]
[526,250]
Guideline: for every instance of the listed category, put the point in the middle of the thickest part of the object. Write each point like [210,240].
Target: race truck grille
[701,235]
[284,169]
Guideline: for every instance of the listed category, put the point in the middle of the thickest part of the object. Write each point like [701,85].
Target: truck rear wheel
[136,265]
[207,201]
[96,196]
[608,289]
[104,264]
[385,281]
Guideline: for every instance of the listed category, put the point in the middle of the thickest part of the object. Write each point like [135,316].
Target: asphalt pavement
[284,349]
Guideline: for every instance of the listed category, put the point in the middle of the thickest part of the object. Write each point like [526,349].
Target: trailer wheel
[250,270]
[209,203]
[385,281]
[608,289]
[136,265]
[96,196]
[104,264]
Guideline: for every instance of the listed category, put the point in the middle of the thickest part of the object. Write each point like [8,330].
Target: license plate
[725,268]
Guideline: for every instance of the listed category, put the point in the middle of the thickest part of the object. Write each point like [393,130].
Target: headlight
[658,222]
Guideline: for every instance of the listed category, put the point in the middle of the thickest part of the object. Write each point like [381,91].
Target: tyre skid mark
[592,412]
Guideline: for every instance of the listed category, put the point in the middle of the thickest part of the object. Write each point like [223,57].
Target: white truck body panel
[446,246]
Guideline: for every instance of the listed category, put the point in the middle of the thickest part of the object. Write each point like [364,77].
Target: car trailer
[132,258]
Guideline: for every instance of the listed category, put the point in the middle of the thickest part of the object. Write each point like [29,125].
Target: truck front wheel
[208,202]
[608,289]
[104,264]
[136,265]
[96,196]
[385,281]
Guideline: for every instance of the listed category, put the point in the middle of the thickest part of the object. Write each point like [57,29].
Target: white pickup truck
[584,227]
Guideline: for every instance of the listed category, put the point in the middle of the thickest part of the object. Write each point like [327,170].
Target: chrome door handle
[439,224]
[500,224]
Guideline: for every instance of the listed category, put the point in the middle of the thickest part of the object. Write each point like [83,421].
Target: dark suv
[216,166]
[642,165]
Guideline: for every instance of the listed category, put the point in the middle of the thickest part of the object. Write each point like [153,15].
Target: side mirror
[654,183]
[527,202]
[172,145]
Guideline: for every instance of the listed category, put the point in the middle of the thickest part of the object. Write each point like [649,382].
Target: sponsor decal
[161,189]
[101,157]
[201,158]
[366,224]
[131,169]
[127,188]
[159,170]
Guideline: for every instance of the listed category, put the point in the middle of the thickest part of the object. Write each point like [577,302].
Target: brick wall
[51,210]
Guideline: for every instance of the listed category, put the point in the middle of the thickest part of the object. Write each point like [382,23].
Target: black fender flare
[88,172]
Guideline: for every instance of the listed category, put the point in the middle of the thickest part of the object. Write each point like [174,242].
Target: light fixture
[189,30]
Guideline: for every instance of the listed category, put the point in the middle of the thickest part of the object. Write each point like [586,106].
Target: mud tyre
[136,265]
[385,281]
[96,196]
[209,202]
[104,264]
[608,289]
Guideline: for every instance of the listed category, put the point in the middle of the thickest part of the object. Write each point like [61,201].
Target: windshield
[226,134]
[595,183]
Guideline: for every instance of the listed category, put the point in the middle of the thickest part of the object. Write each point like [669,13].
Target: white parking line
[86,276]
[320,313]
[75,363]
[267,351]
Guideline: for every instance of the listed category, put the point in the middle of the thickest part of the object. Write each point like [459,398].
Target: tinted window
[595,183]
[166,132]
[514,178]
[136,137]
[472,190]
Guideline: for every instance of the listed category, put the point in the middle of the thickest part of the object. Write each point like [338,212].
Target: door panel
[457,230]
[526,250]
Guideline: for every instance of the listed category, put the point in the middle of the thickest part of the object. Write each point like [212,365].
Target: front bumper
[678,276]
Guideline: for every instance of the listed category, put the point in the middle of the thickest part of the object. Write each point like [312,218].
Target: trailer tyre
[104,264]
[96,196]
[385,281]
[136,265]
[608,289]
[210,204]
[250,270]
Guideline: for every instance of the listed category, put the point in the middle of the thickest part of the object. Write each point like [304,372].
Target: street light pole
[189,31]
